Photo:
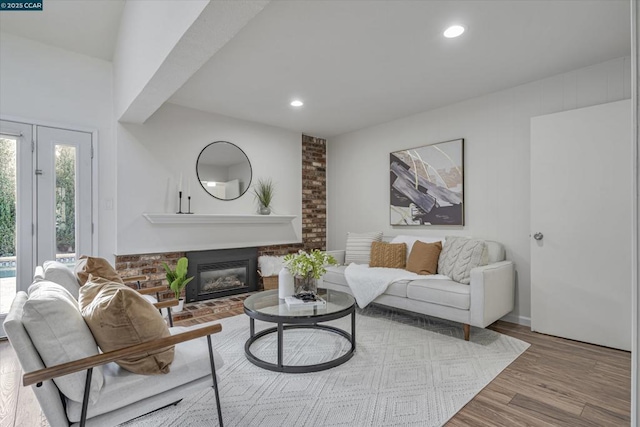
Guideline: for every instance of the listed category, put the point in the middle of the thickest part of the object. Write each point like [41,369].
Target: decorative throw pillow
[410,240]
[59,273]
[423,258]
[98,267]
[459,256]
[120,317]
[358,248]
[52,318]
[389,255]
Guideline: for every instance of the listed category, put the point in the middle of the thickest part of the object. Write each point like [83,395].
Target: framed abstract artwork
[427,185]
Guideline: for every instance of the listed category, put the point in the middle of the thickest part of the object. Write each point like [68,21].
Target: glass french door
[63,194]
[45,202]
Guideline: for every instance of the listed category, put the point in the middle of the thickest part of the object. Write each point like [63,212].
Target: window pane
[65,203]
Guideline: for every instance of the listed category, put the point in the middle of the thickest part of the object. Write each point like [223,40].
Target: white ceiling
[360,63]
[86,27]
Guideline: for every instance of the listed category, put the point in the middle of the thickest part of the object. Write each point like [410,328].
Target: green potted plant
[263,192]
[307,268]
[178,279]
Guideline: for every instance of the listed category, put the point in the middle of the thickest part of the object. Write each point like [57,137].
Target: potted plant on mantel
[178,280]
[263,192]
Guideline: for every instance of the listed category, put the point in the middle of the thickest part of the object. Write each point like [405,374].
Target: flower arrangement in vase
[307,268]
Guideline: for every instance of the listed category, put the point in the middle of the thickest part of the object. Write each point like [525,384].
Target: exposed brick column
[314,193]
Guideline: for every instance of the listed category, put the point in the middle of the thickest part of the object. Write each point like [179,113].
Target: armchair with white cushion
[76,384]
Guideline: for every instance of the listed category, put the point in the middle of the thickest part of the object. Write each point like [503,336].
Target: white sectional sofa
[488,297]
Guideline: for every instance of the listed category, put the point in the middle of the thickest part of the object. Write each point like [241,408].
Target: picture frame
[427,185]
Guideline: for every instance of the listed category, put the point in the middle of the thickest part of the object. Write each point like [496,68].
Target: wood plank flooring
[556,382]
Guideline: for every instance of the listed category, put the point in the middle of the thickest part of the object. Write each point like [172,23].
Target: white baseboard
[519,320]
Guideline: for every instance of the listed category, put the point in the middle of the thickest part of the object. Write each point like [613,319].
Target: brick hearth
[208,311]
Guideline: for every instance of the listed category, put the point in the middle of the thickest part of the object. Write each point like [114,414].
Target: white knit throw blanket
[368,283]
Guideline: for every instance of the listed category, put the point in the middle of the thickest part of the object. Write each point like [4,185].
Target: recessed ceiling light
[453,31]
[297,103]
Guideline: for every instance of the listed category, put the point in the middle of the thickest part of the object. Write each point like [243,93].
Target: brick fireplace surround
[314,236]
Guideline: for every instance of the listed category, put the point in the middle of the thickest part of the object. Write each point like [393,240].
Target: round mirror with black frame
[224,170]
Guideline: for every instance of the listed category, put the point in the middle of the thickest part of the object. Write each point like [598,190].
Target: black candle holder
[189,200]
[180,203]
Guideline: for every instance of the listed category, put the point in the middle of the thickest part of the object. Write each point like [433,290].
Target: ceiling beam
[212,28]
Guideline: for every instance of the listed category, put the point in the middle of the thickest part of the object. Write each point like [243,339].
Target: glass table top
[268,303]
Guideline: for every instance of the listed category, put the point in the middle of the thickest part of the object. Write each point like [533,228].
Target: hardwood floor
[18,405]
[556,382]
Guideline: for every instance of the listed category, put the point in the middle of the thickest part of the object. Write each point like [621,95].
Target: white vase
[264,210]
[178,308]
[285,283]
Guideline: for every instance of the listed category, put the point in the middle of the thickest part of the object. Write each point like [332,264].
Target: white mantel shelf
[164,218]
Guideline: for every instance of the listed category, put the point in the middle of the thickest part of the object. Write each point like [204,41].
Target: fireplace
[220,273]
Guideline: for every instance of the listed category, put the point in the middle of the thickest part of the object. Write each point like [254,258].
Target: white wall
[48,85]
[496,129]
[152,156]
[148,32]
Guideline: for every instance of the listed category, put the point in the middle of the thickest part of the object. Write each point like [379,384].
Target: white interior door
[581,199]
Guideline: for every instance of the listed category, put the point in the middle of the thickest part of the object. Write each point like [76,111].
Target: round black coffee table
[266,306]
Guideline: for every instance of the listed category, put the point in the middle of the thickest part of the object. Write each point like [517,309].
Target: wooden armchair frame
[88,363]
[155,290]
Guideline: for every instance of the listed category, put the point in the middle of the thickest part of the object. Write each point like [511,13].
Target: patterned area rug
[407,370]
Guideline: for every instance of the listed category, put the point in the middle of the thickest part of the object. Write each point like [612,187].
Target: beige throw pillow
[120,317]
[423,258]
[460,255]
[410,240]
[389,255]
[98,267]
